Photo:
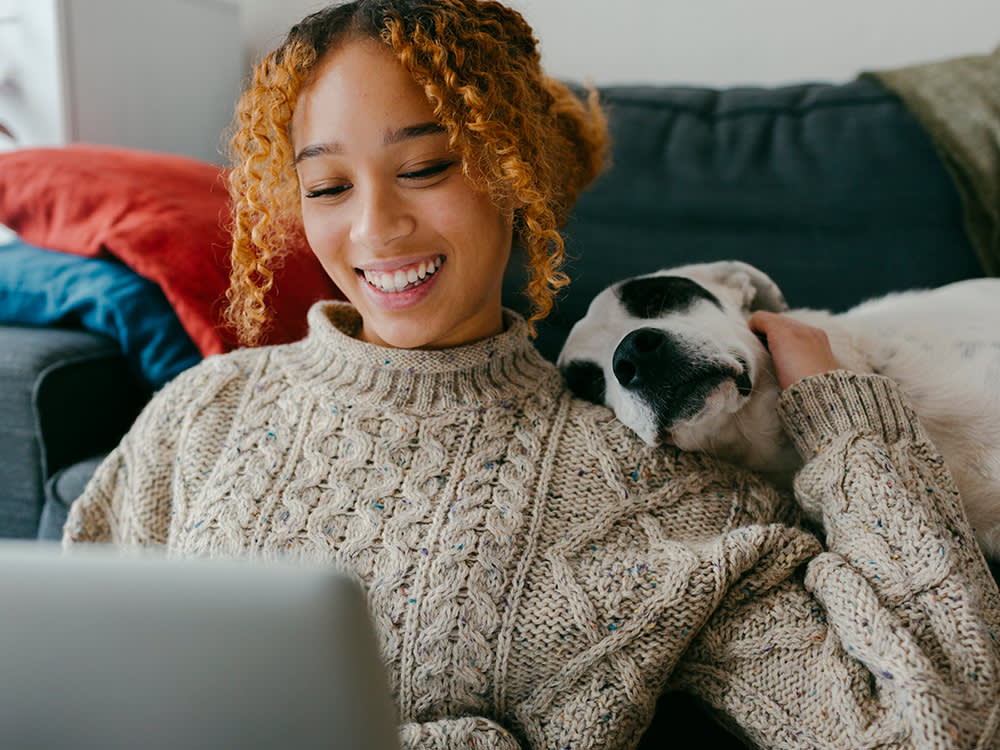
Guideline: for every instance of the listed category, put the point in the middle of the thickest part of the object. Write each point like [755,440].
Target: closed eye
[330,191]
[428,172]
[424,175]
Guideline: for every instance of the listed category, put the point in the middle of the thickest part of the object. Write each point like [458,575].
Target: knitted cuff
[461,733]
[822,407]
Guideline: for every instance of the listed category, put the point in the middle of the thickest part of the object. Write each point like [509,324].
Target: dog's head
[672,355]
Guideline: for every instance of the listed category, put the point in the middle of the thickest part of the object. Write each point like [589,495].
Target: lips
[403,278]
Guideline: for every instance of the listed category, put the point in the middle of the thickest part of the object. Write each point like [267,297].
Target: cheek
[471,218]
[326,241]
[324,233]
[455,216]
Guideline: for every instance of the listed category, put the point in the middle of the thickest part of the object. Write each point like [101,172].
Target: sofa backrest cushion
[833,190]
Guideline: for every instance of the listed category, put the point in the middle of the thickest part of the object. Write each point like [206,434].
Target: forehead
[358,88]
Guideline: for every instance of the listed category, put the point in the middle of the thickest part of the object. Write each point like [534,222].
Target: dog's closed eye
[585,379]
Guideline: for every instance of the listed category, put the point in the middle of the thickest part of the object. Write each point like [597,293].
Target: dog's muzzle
[660,369]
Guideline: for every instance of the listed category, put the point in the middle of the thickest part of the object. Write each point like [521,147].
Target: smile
[402,279]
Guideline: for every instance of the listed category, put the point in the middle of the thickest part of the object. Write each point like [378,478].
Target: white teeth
[399,280]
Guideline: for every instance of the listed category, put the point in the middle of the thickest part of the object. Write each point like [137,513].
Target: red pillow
[164,216]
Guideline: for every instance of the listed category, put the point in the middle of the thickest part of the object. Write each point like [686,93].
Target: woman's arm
[892,636]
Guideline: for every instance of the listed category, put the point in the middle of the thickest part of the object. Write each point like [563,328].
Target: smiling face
[387,209]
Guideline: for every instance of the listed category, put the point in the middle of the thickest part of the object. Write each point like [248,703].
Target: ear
[758,290]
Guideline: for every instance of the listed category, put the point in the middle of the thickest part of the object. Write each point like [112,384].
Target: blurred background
[164,74]
[719,42]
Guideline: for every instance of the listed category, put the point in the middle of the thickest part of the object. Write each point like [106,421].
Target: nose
[643,356]
[382,218]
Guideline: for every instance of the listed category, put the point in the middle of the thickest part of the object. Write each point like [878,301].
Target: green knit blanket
[958,103]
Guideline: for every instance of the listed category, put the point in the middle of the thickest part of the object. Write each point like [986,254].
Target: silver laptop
[101,650]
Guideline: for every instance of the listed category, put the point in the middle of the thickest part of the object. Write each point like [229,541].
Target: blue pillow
[43,287]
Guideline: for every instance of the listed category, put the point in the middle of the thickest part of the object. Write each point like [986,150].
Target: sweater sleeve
[475,732]
[890,637]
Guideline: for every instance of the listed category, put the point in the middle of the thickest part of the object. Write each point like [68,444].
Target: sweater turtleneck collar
[498,369]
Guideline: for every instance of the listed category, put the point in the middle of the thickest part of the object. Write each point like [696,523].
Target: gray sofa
[835,190]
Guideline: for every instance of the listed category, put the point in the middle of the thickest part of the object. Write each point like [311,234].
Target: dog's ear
[759,292]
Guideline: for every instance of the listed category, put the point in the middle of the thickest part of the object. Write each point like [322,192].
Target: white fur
[942,346]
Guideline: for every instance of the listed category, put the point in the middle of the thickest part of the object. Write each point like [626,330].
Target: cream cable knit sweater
[538,576]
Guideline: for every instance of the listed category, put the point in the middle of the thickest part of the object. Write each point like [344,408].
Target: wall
[92,71]
[719,42]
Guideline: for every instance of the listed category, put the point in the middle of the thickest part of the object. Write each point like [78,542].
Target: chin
[407,336]
[409,332]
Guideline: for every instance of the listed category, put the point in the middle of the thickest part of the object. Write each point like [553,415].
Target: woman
[537,576]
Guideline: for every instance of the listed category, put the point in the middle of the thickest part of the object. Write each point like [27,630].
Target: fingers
[798,349]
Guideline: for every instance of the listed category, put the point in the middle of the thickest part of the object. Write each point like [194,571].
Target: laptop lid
[99,649]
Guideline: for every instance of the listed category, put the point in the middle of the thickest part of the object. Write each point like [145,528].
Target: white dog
[672,355]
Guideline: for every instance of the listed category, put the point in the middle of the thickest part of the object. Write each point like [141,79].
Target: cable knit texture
[537,576]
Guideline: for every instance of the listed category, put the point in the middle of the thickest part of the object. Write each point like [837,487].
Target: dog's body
[672,354]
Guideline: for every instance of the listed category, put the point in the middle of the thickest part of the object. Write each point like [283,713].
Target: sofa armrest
[62,488]
[64,395]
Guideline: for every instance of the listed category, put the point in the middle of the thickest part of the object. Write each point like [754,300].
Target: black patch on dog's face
[654,296]
[586,380]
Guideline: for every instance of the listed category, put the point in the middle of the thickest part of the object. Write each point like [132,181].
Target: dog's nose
[641,354]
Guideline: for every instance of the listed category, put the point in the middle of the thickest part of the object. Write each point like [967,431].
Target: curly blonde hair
[524,138]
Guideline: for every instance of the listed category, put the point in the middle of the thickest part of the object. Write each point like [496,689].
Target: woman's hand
[798,350]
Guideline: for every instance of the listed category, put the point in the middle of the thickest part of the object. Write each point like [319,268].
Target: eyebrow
[391,138]
[413,131]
